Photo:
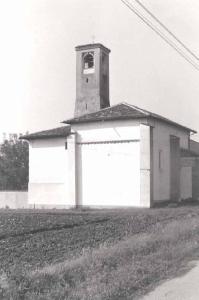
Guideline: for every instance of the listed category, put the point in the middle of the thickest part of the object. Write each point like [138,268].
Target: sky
[38,60]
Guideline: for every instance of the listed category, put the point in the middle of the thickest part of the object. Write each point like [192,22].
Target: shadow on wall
[13,199]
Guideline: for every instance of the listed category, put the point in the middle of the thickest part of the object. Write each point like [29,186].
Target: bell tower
[92,78]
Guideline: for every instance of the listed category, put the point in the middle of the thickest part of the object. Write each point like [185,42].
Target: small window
[88,61]
[160,159]
[66,145]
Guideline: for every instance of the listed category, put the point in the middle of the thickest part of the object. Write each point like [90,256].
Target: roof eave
[28,138]
[174,124]
[73,121]
[103,119]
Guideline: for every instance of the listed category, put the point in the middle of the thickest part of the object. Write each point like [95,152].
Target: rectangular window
[160,159]
[66,145]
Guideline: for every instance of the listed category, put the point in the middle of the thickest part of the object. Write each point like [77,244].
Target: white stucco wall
[145,166]
[106,131]
[161,142]
[60,177]
[106,164]
[109,173]
[48,173]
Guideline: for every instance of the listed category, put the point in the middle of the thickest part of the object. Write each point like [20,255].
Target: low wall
[14,199]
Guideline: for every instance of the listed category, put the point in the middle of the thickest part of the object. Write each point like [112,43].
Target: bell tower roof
[92,46]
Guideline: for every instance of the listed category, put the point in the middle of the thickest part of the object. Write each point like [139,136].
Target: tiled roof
[63,131]
[121,111]
[188,153]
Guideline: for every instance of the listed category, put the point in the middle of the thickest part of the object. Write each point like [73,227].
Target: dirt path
[185,287]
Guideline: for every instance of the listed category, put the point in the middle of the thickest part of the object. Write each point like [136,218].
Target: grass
[93,255]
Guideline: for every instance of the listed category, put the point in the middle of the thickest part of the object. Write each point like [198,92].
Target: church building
[109,156]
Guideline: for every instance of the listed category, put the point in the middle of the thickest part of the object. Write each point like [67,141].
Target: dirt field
[115,254]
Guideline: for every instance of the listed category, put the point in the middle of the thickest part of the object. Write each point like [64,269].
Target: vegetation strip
[120,271]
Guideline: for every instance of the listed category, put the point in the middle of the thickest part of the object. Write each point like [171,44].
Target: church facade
[109,156]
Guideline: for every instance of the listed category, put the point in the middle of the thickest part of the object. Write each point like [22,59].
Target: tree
[14,164]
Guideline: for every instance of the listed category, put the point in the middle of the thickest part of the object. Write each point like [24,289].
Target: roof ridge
[138,109]
[94,112]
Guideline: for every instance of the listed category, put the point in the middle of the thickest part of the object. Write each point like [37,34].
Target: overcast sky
[37,59]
